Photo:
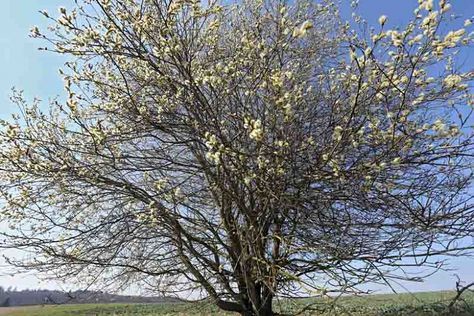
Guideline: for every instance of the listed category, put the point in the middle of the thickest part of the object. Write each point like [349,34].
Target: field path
[7,310]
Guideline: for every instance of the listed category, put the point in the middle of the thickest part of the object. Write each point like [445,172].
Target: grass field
[420,304]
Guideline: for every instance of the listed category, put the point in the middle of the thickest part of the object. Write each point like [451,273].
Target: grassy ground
[420,304]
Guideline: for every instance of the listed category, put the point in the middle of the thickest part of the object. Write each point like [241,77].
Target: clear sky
[24,67]
[36,72]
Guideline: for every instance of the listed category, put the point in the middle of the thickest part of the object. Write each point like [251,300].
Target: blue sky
[36,72]
[24,67]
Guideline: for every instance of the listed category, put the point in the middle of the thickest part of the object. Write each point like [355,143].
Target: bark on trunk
[263,310]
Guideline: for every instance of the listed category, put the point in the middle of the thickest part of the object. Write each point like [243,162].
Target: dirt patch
[7,310]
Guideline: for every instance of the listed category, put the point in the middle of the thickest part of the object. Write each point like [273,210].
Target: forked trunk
[264,307]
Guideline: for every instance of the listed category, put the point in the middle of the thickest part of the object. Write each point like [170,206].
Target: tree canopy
[244,151]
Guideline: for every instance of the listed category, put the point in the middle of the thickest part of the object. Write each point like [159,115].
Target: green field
[420,304]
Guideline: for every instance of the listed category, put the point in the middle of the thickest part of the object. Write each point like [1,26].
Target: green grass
[419,304]
[115,310]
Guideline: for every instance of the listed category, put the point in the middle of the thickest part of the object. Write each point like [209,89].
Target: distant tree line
[13,297]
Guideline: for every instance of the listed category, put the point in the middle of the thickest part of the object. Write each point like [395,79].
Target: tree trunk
[266,307]
[263,310]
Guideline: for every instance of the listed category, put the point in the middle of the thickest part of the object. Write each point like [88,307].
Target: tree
[6,302]
[245,152]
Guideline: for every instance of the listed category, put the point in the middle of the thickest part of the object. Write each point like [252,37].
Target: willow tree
[246,152]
